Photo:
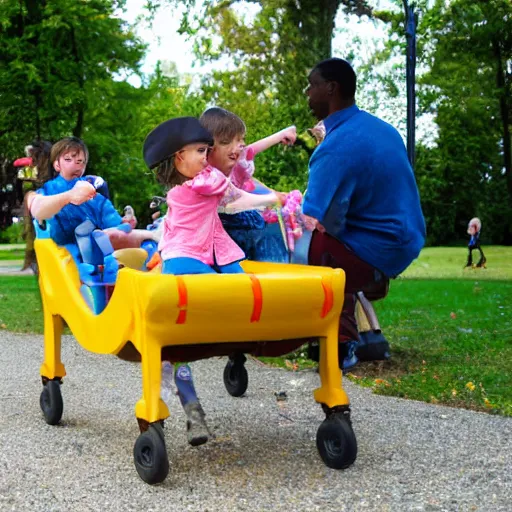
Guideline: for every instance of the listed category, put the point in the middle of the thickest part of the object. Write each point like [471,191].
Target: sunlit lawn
[448,263]
[450,330]
[12,252]
[20,304]
[451,342]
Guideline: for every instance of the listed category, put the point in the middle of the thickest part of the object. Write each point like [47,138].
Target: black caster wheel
[51,402]
[150,455]
[236,378]
[336,442]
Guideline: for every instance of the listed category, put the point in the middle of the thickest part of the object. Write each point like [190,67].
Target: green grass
[448,263]
[450,330]
[12,252]
[20,304]
[451,343]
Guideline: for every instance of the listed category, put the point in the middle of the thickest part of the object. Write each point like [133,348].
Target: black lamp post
[411,21]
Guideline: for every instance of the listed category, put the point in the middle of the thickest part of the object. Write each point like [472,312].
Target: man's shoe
[197,430]
[372,346]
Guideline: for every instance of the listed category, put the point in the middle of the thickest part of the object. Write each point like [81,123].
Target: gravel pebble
[412,456]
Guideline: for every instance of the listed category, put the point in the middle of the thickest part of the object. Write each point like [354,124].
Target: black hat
[171,136]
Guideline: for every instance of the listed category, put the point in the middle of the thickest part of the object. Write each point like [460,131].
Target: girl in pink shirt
[193,239]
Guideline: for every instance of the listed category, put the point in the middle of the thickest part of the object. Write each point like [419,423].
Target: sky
[165,44]
[162,37]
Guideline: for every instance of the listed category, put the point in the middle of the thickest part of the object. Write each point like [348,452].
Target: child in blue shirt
[66,199]
[474,227]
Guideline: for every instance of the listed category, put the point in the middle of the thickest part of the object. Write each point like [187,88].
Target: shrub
[13,234]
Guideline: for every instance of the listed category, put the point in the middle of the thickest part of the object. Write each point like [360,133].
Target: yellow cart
[151,316]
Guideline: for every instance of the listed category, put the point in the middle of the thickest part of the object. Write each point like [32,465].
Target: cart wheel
[150,455]
[51,402]
[336,442]
[236,378]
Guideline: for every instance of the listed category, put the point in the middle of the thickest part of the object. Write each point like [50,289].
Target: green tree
[56,58]
[269,55]
[119,120]
[464,52]
[472,89]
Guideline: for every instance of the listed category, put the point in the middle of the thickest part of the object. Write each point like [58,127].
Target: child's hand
[311,224]
[318,132]
[289,136]
[81,192]
[281,197]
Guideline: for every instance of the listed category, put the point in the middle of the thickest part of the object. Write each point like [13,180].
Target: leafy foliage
[60,75]
[474,111]
[56,56]
[62,64]
[465,50]
[120,119]
[269,49]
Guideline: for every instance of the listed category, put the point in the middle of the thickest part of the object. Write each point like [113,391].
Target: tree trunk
[315,22]
[505,103]
[312,23]
[34,17]
[77,130]
[29,236]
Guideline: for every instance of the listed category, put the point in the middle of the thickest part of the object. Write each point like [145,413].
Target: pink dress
[192,228]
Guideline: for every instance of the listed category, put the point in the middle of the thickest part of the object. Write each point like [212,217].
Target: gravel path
[13,268]
[412,456]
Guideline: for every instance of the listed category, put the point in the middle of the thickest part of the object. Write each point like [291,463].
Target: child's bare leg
[121,240]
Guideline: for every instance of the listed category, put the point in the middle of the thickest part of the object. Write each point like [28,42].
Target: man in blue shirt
[361,197]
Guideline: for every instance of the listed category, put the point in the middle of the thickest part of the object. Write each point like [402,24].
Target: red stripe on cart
[258,298]
[328,297]
[182,300]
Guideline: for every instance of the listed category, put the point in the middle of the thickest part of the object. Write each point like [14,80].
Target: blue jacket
[99,210]
[361,187]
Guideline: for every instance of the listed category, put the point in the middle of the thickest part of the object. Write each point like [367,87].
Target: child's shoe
[347,357]
[197,430]
[481,263]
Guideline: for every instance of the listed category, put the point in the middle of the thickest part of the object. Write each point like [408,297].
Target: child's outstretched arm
[242,174]
[44,207]
[121,240]
[286,136]
[237,200]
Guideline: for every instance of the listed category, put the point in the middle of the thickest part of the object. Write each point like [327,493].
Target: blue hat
[171,136]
